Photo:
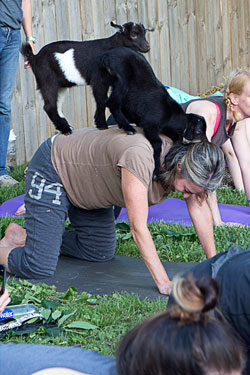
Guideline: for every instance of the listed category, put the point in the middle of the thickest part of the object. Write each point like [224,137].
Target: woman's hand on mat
[21,210]
[4,300]
[166,289]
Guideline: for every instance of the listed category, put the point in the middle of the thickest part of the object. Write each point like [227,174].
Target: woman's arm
[213,205]
[136,200]
[233,164]
[201,216]
[242,150]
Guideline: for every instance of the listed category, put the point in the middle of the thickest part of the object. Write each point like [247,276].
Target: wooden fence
[196,43]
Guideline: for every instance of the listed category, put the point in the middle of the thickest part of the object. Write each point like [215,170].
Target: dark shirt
[233,274]
[11,14]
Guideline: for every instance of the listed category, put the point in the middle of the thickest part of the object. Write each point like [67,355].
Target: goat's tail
[106,62]
[117,79]
[27,52]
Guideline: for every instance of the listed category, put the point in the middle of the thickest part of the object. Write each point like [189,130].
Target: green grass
[13,191]
[111,315]
[185,247]
[105,318]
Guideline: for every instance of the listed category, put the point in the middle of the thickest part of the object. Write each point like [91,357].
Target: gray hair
[201,163]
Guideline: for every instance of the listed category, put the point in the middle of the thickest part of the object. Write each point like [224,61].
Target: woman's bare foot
[15,236]
[21,210]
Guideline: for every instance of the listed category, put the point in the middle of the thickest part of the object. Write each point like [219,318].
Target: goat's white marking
[66,62]
[60,99]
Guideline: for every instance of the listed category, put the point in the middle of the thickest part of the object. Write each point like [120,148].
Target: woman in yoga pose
[83,176]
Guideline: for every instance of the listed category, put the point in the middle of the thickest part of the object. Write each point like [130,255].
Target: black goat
[139,97]
[65,64]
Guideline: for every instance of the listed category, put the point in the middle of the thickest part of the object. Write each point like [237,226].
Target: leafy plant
[95,322]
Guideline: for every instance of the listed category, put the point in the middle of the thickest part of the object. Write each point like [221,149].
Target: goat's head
[134,36]
[196,129]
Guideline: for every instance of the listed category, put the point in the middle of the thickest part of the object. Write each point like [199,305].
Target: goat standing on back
[64,64]
[139,97]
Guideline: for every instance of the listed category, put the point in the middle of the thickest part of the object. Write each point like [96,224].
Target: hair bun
[210,290]
[195,296]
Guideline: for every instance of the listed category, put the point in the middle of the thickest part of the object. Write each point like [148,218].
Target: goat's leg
[114,103]
[53,99]
[156,143]
[119,117]
[100,95]
[60,100]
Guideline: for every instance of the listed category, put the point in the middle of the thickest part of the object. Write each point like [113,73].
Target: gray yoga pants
[47,208]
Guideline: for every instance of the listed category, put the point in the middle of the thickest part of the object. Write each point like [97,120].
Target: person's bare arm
[27,25]
[233,164]
[242,150]
[213,205]
[136,201]
[201,216]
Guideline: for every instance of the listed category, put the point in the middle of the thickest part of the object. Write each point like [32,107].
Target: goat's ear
[121,28]
[150,29]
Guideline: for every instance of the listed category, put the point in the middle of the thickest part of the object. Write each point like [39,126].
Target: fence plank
[164,49]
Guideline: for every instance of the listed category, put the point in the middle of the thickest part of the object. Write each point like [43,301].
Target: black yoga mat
[121,274]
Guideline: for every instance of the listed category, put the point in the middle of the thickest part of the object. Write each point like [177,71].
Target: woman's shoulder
[202,107]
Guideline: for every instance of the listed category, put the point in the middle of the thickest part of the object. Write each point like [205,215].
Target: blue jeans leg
[9,54]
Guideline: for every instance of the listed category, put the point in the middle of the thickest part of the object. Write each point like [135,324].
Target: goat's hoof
[67,131]
[102,128]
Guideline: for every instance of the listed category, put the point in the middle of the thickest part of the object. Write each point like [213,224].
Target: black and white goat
[64,64]
[139,97]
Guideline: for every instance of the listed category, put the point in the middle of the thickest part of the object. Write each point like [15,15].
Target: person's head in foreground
[237,93]
[185,339]
[194,168]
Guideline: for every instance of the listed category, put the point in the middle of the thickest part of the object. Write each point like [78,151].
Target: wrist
[165,289]
[30,38]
